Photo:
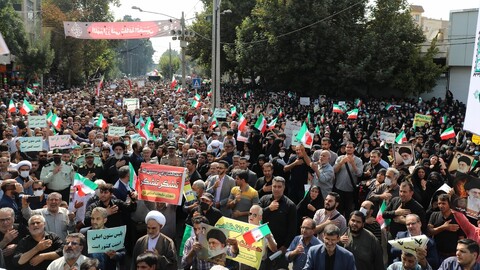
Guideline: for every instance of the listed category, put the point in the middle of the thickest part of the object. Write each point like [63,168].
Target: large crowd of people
[333,204]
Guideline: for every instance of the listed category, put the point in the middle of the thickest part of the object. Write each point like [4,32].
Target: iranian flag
[304,136]
[101,122]
[26,107]
[401,138]
[383,222]
[448,134]
[56,121]
[308,118]
[150,125]
[436,110]
[322,118]
[290,95]
[173,83]
[154,91]
[247,94]
[280,113]
[197,97]
[130,84]
[353,114]
[242,122]
[390,107]
[209,93]
[443,120]
[179,90]
[99,86]
[233,111]
[196,104]
[214,123]
[30,92]
[11,107]
[35,85]
[182,124]
[84,185]
[272,124]
[145,133]
[140,123]
[358,102]
[261,123]
[132,181]
[337,108]
[189,232]
[256,234]
[317,130]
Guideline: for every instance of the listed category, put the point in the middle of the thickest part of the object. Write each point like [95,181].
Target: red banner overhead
[120,30]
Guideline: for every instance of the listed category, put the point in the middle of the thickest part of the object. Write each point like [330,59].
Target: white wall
[459,82]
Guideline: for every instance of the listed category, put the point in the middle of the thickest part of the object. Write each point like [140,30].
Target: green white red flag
[196,104]
[30,92]
[133,176]
[242,122]
[182,124]
[214,123]
[197,97]
[304,136]
[210,92]
[145,133]
[448,134]
[272,124]
[353,114]
[256,234]
[56,121]
[261,123]
[150,125]
[443,120]
[383,222]
[101,122]
[174,83]
[401,138]
[317,130]
[280,113]
[189,232]
[233,111]
[358,102]
[26,107]
[11,107]
[337,108]
[84,185]
[99,86]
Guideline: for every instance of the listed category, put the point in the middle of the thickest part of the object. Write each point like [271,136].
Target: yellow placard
[188,192]
[421,119]
[250,255]
[476,139]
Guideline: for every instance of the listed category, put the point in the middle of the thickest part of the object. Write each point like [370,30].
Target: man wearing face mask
[38,191]
[23,168]
[58,175]
[89,169]
[206,209]
[388,190]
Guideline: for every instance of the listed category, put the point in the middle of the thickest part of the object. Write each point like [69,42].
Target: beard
[70,254]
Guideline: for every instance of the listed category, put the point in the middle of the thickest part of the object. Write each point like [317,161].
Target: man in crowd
[10,234]
[72,253]
[252,177]
[466,256]
[299,168]
[326,145]
[324,175]
[264,183]
[411,262]
[281,214]
[58,175]
[37,250]
[329,215]
[220,186]
[242,196]
[301,244]
[115,162]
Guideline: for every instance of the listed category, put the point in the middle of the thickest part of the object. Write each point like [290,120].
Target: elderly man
[115,162]
[157,242]
[10,235]
[37,250]
[198,187]
[72,253]
[58,219]
[324,175]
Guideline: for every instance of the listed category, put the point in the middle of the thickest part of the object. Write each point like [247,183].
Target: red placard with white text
[160,183]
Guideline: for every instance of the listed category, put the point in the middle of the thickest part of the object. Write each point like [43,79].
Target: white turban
[157,216]
[24,163]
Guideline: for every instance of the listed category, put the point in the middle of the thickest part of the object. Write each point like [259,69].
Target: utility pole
[183,45]
[170,72]
[216,54]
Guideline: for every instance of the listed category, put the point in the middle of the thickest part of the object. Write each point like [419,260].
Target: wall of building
[459,82]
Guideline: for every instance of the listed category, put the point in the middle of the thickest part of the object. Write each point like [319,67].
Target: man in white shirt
[72,254]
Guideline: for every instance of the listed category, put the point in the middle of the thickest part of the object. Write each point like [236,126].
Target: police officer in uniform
[89,169]
[171,158]
[58,175]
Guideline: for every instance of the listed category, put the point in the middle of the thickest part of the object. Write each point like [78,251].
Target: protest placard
[116,131]
[103,240]
[160,183]
[131,103]
[248,254]
[37,121]
[59,142]
[420,120]
[387,137]
[220,113]
[305,101]
[291,130]
[31,144]
[410,244]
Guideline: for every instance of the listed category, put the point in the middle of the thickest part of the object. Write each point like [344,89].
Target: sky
[435,9]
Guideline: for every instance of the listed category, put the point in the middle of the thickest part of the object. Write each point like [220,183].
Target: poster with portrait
[214,244]
[461,162]
[467,189]
[404,155]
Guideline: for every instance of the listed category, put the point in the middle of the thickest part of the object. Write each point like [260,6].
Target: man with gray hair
[10,234]
[72,253]
[324,175]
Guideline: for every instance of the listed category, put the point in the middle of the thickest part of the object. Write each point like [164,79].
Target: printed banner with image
[160,183]
[291,130]
[103,240]
[460,162]
[250,255]
[59,142]
[214,244]
[31,144]
[471,122]
[404,155]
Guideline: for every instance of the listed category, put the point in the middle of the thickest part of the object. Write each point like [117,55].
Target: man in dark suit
[220,187]
[329,256]
[113,163]
[121,189]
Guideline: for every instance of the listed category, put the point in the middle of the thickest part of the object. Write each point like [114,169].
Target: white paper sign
[305,101]
[291,130]
[30,144]
[471,122]
[220,113]
[116,131]
[388,137]
[59,142]
[409,244]
[141,83]
[131,103]
[37,121]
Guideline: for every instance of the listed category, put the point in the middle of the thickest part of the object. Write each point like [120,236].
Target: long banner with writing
[250,255]
[100,241]
[160,183]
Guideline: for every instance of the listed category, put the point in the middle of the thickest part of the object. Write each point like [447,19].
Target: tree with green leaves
[169,63]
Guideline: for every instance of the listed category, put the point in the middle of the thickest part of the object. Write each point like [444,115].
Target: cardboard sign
[37,121]
[31,144]
[103,240]
[420,120]
[476,139]
[404,155]
[410,244]
[59,142]
[214,254]
[291,130]
[116,131]
[220,113]
[387,137]
[131,103]
[160,183]
[305,101]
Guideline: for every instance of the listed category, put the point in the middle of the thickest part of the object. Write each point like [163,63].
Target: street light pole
[183,46]
[216,54]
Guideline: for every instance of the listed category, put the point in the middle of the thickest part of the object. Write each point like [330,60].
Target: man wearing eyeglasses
[72,253]
[10,234]
[37,250]
[298,249]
